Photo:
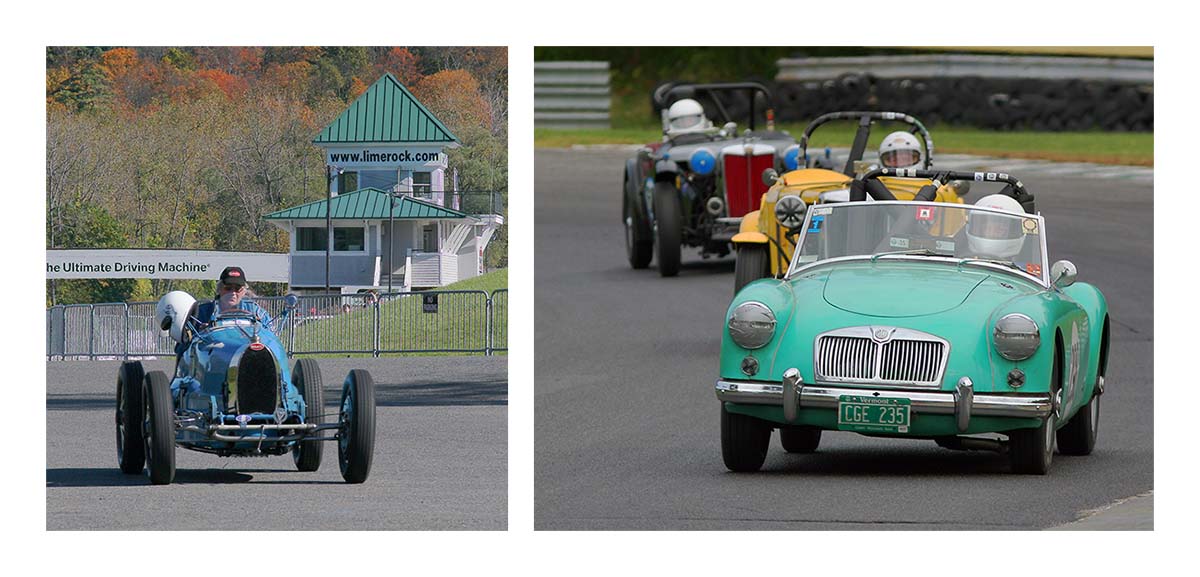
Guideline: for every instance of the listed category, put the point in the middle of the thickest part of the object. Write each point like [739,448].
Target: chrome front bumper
[963,402]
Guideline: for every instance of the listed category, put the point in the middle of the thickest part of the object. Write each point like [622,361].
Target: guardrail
[401,322]
[571,95]
[974,65]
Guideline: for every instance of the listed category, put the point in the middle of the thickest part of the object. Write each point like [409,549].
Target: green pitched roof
[366,203]
[386,112]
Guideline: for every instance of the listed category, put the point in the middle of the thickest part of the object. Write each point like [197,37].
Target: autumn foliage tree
[157,147]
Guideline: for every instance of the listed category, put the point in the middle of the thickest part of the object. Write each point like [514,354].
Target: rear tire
[667,228]
[800,439]
[306,376]
[751,265]
[1031,451]
[356,436]
[131,449]
[159,429]
[639,238]
[744,442]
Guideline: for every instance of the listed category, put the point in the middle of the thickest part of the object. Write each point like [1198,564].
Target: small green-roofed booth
[395,200]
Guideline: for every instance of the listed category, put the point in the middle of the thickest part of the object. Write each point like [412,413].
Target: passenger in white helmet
[992,235]
[900,150]
[686,116]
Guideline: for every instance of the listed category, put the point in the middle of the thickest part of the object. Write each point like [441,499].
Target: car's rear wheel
[356,433]
[1078,436]
[131,450]
[159,429]
[744,441]
[799,439]
[668,229]
[1031,451]
[639,239]
[306,376]
[751,265]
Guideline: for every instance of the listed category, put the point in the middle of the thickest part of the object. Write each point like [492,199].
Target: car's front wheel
[131,449]
[639,241]
[1078,436]
[799,439]
[306,376]
[356,433]
[744,441]
[668,228]
[159,429]
[1030,451]
[750,266]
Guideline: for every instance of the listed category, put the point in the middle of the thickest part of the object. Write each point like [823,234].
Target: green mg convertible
[919,320]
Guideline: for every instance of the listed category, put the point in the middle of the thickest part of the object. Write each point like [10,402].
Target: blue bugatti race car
[233,395]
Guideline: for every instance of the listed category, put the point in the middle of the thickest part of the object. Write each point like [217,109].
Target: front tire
[306,376]
[356,435]
[1031,451]
[744,442]
[800,439]
[667,228]
[1078,436]
[750,266]
[131,449]
[159,429]
[639,239]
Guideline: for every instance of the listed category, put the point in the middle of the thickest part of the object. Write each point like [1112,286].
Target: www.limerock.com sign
[382,156]
[191,264]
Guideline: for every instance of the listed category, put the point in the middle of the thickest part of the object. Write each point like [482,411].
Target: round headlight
[791,157]
[702,161]
[1016,337]
[752,325]
[789,211]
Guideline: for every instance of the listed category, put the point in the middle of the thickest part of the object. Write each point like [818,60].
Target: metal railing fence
[365,323]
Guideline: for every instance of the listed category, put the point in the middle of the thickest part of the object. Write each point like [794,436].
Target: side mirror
[961,187]
[1063,273]
[770,177]
[290,302]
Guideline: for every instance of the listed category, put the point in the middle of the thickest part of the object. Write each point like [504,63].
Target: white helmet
[172,313]
[993,235]
[900,150]
[686,116]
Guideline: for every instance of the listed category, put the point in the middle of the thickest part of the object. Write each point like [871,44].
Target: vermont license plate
[873,415]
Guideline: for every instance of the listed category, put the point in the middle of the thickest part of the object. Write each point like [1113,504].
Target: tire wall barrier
[571,95]
[994,92]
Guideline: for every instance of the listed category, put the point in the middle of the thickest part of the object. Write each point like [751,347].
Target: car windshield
[965,233]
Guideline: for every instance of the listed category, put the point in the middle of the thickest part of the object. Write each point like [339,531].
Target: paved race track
[441,459]
[627,427]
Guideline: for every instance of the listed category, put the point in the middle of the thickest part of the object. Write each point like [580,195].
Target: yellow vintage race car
[764,242]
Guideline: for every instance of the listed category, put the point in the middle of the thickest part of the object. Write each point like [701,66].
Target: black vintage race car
[694,187]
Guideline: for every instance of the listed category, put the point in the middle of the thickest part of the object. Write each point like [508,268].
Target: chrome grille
[904,357]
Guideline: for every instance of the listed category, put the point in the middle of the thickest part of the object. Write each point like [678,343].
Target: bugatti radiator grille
[881,355]
[258,383]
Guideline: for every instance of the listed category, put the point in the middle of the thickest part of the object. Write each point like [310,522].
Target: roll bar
[865,118]
[870,183]
[666,94]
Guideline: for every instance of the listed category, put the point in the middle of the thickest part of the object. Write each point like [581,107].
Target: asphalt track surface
[440,462]
[627,426]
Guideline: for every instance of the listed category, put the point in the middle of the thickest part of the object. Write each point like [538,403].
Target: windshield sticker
[816,223]
[823,210]
[1030,226]
[944,245]
[1033,269]
[899,242]
[925,213]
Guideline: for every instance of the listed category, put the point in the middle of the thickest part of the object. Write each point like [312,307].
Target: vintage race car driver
[231,291]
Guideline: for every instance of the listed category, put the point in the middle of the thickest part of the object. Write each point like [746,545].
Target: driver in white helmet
[686,116]
[900,150]
[995,236]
